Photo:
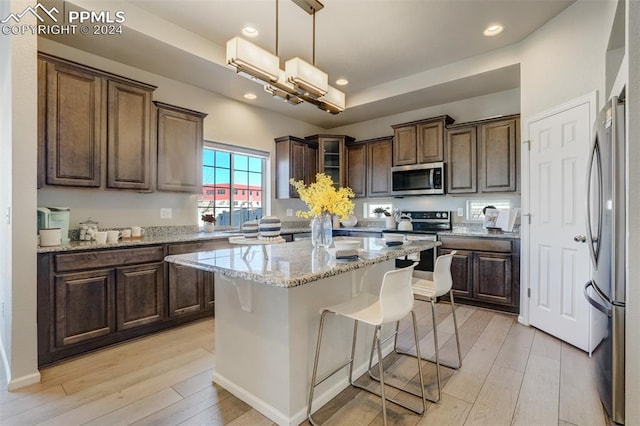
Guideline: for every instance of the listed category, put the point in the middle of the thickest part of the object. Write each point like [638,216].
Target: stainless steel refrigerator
[606,237]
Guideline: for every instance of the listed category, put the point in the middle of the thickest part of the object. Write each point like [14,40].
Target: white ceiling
[398,55]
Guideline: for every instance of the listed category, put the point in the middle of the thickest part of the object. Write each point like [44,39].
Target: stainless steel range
[426,225]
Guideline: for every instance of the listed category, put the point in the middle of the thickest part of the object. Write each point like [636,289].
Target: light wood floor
[511,375]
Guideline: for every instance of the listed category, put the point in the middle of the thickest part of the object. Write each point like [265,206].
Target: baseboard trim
[23,381]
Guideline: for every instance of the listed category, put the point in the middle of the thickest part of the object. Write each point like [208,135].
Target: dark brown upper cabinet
[369,167]
[129,141]
[419,142]
[462,153]
[295,159]
[72,129]
[180,144]
[498,155]
[94,128]
[379,155]
[481,157]
[357,169]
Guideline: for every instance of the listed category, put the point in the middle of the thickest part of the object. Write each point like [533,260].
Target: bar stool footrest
[377,379]
[431,360]
[393,401]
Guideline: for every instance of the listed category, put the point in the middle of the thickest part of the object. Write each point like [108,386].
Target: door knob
[580,238]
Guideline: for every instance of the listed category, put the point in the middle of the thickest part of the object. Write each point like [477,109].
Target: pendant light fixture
[300,81]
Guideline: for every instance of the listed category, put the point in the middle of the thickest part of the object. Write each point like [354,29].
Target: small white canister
[50,237]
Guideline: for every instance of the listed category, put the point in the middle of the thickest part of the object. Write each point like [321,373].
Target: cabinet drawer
[198,246]
[107,258]
[476,244]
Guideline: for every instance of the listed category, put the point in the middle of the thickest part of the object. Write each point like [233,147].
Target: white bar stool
[394,302]
[428,291]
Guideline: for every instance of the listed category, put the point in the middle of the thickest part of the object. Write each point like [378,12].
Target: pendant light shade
[333,101]
[307,78]
[252,61]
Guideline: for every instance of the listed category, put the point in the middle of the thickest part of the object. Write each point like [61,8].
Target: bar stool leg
[381,372]
[353,351]
[315,366]
[455,325]
[419,360]
[435,342]
[395,339]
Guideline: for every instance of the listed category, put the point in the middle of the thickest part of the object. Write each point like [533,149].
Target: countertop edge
[183,259]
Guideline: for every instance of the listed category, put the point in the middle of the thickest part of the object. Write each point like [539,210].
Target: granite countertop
[144,241]
[292,264]
[179,237]
[479,232]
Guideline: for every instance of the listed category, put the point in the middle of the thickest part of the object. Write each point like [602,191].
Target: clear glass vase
[321,230]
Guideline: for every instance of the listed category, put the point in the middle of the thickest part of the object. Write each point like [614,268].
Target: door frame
[590,99]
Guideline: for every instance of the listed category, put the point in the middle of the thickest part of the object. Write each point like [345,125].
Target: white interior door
[559,265]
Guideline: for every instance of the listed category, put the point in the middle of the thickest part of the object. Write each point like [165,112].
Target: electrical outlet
[166,213]
[289,212]
[460,212]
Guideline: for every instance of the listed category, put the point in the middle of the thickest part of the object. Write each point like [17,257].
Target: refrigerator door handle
[594,240]
[599,306]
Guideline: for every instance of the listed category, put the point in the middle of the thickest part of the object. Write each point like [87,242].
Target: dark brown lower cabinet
[209,295]
[190,290]
[140,295]
[84,307]
[492,277]
[186,290]
[461,272]
[93,298]
[485,271]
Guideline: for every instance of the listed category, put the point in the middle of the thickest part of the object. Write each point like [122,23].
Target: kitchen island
[267,316]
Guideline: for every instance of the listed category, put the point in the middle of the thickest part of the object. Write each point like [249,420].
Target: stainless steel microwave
[418,179]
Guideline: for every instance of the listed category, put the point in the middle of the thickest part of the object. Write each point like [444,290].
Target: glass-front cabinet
[331,156]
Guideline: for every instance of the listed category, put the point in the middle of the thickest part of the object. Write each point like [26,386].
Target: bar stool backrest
[442,274]
[396,296]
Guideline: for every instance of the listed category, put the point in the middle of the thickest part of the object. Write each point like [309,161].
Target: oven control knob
[437,214]
[444,215]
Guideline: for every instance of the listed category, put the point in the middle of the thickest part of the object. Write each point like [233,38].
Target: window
[474,208]
[228,173]
[370,207]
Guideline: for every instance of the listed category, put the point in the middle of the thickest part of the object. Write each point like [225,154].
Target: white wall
[500,103]
[565,59]
[20,316]
[228,121]
[5,191]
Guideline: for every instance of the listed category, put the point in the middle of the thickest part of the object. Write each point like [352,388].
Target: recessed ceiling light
[342,82]
[250,31]
[250,96]
[492,30]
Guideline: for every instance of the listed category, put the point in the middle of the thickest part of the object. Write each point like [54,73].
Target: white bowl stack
[346,244]
[270,226]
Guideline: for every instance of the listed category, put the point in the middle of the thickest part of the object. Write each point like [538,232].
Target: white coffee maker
[55,217]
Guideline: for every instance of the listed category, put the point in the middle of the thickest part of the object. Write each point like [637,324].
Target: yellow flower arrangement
[323,197]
